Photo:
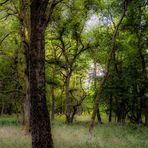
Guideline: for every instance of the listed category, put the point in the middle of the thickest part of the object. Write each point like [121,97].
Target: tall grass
[13,137]
[76,136]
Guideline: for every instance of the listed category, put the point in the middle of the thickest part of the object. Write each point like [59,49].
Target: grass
[13,137]
[77,136]
[6,120]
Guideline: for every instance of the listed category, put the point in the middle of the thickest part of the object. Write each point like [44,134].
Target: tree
[110,55]
[69,40]
[40,15]
[24,21]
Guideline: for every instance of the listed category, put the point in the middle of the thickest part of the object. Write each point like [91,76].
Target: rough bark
[40,122]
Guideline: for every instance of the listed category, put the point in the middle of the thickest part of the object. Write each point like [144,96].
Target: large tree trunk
[40,122]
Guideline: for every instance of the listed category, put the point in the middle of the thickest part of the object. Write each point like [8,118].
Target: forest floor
[76,135]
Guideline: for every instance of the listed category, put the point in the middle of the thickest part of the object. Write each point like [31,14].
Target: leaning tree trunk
[40,122]
[110,56]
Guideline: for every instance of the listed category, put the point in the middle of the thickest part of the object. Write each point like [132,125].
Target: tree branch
[50,9]
[2,3]
[12,91]
[5,37]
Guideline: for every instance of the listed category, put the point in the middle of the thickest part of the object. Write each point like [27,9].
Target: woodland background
[72,61]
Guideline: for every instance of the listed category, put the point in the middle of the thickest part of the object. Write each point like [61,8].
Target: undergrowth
[76,135]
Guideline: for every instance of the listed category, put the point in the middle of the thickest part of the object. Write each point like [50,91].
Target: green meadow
[77,135]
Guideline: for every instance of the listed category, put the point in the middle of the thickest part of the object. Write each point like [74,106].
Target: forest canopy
[70,58]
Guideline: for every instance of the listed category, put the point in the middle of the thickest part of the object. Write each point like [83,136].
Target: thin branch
[53,38]
[82,97]
[15,7]
[7,15]
[78,53]
[5,37]
[2,3]
[12,91]
[50,9]
[64,51]
[63,74]
[109,11]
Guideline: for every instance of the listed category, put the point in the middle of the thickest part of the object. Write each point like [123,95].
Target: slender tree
[24,34]
[110,56]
